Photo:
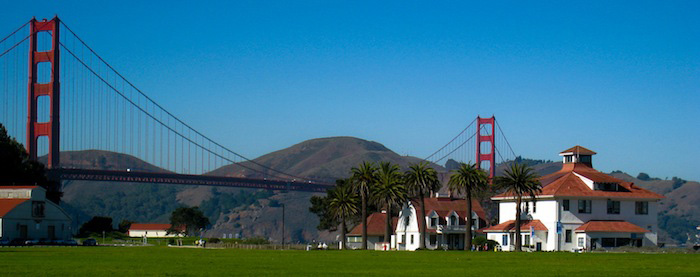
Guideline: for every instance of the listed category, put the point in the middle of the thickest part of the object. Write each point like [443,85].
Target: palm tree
[389,191]
[420,181]
[468,179]
[519,180]
[342,203]
[363,178]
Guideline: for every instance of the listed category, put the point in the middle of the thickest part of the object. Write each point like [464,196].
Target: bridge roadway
[185,179]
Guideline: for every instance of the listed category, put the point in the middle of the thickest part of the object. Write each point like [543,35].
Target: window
[641,207]
[433,239]
[565,204]
[37,208]
[526,240]
[411,239]
[474,224]
[581,242]
[527,207]
[567,237]
[454,220]
[433,221]
[504,240]
[584,206]
[568,159]
[534,206]
[613,207]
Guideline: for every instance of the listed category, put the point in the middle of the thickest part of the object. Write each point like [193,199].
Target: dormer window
[608,186]
[454,220]
[433,222]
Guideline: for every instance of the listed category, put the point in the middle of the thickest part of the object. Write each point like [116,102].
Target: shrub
[214,240]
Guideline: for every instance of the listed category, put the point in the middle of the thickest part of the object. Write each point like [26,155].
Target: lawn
[171,261]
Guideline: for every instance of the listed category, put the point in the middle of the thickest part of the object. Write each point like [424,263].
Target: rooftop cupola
[578,154]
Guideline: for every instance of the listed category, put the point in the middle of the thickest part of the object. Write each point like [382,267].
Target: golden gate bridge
[67,98]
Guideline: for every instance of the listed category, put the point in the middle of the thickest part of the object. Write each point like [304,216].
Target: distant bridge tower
[486,141]
[52,89]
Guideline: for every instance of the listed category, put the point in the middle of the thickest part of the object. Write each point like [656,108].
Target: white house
[150,230]
[446,223]
[26,214]
[579,208]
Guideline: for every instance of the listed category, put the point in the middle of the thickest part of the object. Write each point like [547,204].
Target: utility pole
[283,226]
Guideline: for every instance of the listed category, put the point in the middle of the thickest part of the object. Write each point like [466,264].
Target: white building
[445,216]
[579,208]
[26,214]
[150,230]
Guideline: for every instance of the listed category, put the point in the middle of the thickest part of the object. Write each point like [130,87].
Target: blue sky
[620,78]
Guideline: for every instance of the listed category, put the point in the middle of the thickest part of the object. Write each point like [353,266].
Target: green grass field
[171,261]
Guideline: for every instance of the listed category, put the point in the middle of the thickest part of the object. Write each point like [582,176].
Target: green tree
[519,180]
[124,225]
[470,180]
[17,169]
[363,179]
[342,204]
[389,191]
[421,180]
[97,224]
[190,217]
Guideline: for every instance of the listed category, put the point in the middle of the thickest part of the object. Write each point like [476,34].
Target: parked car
[57,242]
[71,242]
[4,242]
[90,242]
[44,241]
[17,242]
[31,242]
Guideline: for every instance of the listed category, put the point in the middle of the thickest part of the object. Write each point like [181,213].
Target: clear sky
[621,78]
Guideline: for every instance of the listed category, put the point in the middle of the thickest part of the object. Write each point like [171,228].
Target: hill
[245,212]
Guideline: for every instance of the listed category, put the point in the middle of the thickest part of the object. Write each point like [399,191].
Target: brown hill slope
[323,158]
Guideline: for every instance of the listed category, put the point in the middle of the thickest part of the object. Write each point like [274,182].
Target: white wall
[37,228]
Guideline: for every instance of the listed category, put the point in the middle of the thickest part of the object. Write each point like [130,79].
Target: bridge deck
[185,179]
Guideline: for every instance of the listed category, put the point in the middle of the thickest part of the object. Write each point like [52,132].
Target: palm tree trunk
[387,231]
[364,221]
[518,242]
[422,227]
[343,233]
[468,234]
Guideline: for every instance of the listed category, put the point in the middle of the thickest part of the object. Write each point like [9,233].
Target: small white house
[579,208]
[446,223]
[26,214]
[150,230]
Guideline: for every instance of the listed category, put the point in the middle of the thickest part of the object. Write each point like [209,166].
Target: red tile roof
[445,205]
[578,150]
[149,226]
[18,187]
[612,226]
[376,225]
[566,183]
[509,226]
[8,204]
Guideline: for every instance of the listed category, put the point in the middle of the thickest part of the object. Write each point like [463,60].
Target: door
[52,232]
[538,246]
[23,231]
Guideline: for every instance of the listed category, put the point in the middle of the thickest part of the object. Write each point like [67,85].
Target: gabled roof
[376,225]
[149,226]
[610,226]
[566,183]
[8,204]
[509,226]
[443,206]
[578,150]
